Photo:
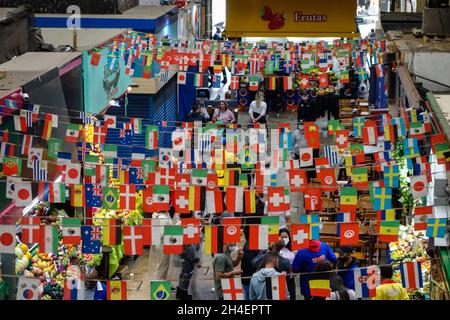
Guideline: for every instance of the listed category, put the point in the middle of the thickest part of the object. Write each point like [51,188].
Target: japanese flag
[306,157]
[419,186]
[72,173]
[7,239]
[181,78]
[23,195]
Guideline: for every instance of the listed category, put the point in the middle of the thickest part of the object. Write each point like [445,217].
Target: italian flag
[259,237]
[48,241]
[151,137]
[173,239]
[198,80]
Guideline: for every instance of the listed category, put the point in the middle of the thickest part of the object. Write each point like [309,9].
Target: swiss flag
[300,236]
[231,230]
[328,178]
[342,139]
[180,201]
[30,229]
[297,180]
[348,233]
[191,230]
[276,198]
[313,199]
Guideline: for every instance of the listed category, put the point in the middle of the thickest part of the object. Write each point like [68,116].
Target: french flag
[346,216]
[411,273]
[73,289]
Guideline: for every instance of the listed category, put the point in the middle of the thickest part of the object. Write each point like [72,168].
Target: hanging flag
[306,157]
[331,153]
[28,288]
[259,237]
[389,231]
[421,216]
[191,230]
[411,273]
[300,234]
[7,239]
[20,123]
[72,173]
[358,124]
[11,166]
[73,132]
[48,241]
[112,232]
[382,198]
[77,196]
[348,199]
[47,130]
[30,229]
[213,239]
[360,177]
[348,233]
[276,199]
[27,143]
[180,201]
[276,287]
[23,194]
[71,231]
[234,199]
[73,289]
[116,290]
[160,290]
[54,146]
[313,199]
[436,227]
[298,180]
[197,198]
[232,289]
[40,170]
[328,178]
[370,133]
[391,176]
[366,281]
[110,121]
[151,137]
[173,240]
[133,240]
[90,239]
[319,285]
[156,198]
[232,230]
[127,197]
[110,198]
[346,217]
[419,186]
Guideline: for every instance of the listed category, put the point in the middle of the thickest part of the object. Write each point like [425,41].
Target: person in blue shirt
[306,259]
[346,264]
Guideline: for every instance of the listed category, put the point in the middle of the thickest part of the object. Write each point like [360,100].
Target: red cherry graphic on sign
[277,21]
[6,239]
[73,173]
[419,186]
[23,194]
[266,13]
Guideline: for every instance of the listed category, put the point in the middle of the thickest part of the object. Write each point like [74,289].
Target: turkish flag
[328,178]
[300,236]
[348,233]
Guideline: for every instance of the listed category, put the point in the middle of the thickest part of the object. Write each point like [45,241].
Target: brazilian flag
[160,290]
[110,198]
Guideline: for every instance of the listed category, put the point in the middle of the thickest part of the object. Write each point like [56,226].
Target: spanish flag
[77,198]
[319,285]
[116,290]
[250,201]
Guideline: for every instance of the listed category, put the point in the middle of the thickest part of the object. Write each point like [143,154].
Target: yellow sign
[287,18]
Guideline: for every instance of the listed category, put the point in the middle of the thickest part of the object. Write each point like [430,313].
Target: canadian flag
[191,230]
[133,240]
[419,186]
[300,236]
[30,229]
[306,157]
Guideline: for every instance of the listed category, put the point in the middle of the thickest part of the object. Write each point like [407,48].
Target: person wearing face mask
[258,289]
[346,264]
[286,252]
[284,265]
[223,267]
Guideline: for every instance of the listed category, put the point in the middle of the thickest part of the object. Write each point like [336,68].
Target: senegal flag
[160,290]
[360,177]
[348,199]
[273,223]
[389,230]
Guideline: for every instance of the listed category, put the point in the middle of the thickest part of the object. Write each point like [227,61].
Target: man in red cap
[306,259]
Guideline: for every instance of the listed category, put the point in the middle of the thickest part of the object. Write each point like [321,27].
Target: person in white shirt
[258,109]
[285,236]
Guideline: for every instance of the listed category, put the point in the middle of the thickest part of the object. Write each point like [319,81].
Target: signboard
[103,82]
[282,18]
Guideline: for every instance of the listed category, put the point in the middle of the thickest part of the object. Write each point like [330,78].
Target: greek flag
[40,170]
[86,117]
[331,153]
[164,75]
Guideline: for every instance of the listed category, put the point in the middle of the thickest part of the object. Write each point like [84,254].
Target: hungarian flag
[328,178]
[297,180]
[342,139]
[197,198]
[48,241]
[259,237]
[276,287]
[73,289]
[313,199]
[191,230]
[30,229]
[421,216]
[173,240]
[389,231]
[411,273]
[234,199]
[116,290]
[250,201]
[133,240]
[319,285]
[112,232]
[127,197]
[348,199]
[348,233]
[300,234]
[180,201]
[71,231]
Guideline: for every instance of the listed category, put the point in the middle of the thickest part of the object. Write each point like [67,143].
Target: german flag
[197,198]
[231,178]
[112,232]
[319,285]
[271,83]
[213,239]
[250,201]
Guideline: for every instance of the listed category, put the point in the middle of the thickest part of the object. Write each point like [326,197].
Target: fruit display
[47,213]
[411,246]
